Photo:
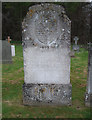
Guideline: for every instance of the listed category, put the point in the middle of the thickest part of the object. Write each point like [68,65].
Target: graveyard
[13,79]
[47,72]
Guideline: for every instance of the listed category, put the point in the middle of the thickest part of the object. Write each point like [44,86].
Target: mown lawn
[12,80]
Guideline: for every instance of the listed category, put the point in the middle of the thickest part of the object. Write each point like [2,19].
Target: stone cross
[76,40]
[76,47]
[9,40]
[46,49]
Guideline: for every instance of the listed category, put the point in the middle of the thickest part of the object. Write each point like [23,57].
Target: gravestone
[89,45]
[6,52]
[13,50]
[76,47]
[0,51]
[46,48]
[88,96]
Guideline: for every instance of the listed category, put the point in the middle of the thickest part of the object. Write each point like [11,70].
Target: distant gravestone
[8,39]
[6,52]
[76,47]
[89,45]
[46,48]
[13,50]
[88,96]
[12,46]
[0,51]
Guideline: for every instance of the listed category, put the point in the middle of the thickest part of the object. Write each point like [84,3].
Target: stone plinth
[45,94]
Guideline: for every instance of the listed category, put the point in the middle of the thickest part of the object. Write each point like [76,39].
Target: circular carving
[46,27]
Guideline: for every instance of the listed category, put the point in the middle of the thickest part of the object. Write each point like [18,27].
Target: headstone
[12,47]
[76,47]
[0,51]
[89,45]
[88,96]
[6,52]
[13,50]
[46,48]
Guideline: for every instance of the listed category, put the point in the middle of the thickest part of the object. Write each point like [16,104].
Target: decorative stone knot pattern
[47,94]
[46,25]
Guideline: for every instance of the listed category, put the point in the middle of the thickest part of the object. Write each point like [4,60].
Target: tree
[14,13]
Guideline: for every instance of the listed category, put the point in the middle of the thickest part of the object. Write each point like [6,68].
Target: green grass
[13,78]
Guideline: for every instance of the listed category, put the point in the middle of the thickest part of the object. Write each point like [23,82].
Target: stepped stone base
[47,94]
[88,100]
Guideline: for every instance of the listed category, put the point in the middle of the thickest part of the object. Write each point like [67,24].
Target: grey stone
[88,99]
[5,53]
[47,94]
[13,50]
[0,51]
[72,54]
[46,46]
[88,96]
[76,46]
[89,45]
[76,40]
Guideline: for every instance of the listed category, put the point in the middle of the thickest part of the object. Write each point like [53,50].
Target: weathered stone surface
[45,94]
[47,65]
[0,51]
[88,96]
[46,49]
[88,99]
[76,46]
[49,26]
[46,45]
[6,52]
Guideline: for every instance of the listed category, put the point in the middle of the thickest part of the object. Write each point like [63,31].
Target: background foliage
[14,12]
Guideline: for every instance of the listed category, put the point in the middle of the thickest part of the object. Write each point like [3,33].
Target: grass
[12,81]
